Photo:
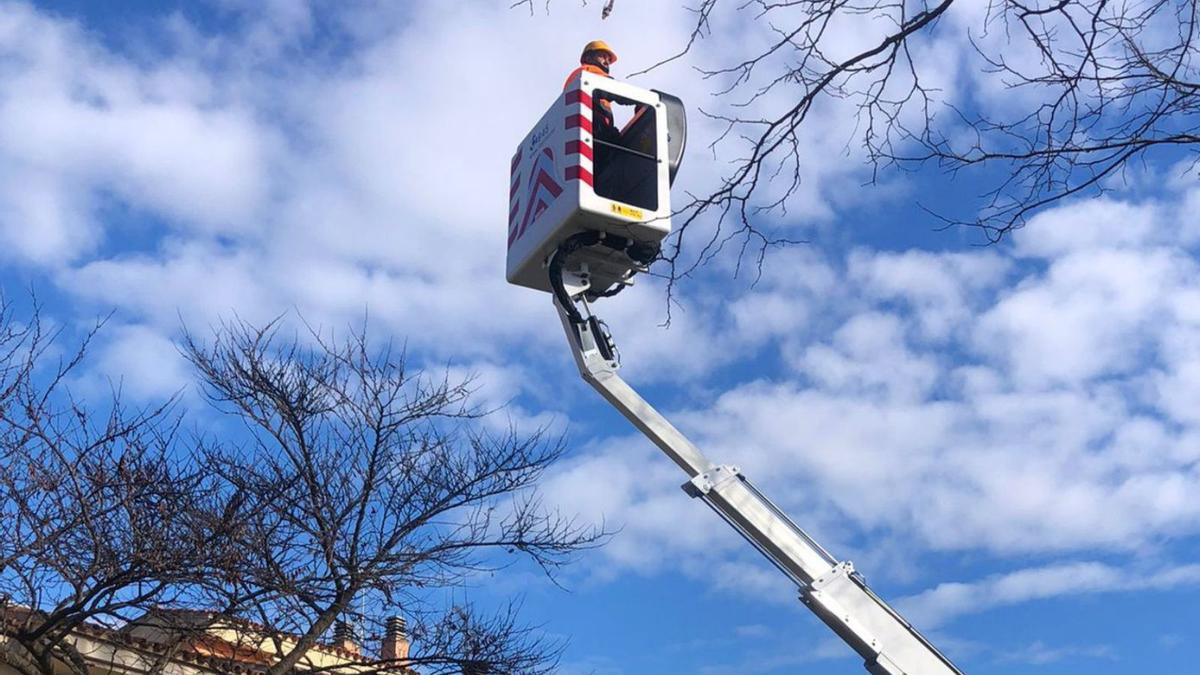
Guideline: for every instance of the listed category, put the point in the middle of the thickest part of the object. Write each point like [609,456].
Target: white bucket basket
[564,180]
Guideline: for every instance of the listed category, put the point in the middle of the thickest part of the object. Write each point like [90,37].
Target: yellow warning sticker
[628,211]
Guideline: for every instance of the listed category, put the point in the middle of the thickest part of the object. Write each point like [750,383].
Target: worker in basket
[598,57]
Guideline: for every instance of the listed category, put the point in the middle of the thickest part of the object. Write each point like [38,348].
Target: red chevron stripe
[545,181]
[541,186]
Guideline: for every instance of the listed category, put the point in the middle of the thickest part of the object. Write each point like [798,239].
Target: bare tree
[375,487]
[349,489]
[100,518]
[1099,85]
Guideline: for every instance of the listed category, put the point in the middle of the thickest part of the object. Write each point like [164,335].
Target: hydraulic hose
[559,260]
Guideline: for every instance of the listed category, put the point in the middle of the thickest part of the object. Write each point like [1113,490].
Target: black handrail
[597,141]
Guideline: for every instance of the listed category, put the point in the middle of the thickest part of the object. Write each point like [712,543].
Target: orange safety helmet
[598,46]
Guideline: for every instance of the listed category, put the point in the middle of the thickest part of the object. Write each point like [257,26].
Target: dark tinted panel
[625,161]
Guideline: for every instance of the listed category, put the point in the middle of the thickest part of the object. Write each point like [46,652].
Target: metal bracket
[577,281]
[824,596]
[586,339]
[711,480]
[842,569]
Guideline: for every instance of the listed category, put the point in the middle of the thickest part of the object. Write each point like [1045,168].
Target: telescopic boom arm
[833,590]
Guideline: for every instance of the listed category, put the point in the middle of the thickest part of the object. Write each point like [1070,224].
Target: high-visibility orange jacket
[589,68]
[604,127]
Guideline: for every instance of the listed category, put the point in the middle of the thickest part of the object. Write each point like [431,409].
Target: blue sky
[1004,439]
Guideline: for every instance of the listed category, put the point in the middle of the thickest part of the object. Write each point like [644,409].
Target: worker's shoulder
[587,67]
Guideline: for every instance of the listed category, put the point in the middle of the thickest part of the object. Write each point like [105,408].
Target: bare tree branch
[1088,87]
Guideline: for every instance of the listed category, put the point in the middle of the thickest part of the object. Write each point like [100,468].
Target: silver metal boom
[831,589]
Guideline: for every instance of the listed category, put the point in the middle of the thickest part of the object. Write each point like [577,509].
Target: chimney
[343,637]
[395,640]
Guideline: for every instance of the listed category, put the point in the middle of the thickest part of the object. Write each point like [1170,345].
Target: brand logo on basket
[539,136]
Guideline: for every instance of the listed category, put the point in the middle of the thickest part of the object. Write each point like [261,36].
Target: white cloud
[190,281]
[142,363]
[42,219]
[1039,653]
[753,630]
[942,603]
[1094,224]
[868,357]
[941,288]
[963,402]
[1083,318]
[351,184]
[336,182]
[78,124]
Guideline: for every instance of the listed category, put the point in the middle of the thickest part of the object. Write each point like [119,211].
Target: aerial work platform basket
[566,180]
